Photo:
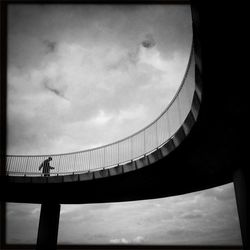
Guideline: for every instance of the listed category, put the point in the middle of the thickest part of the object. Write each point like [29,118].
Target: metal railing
[120,152]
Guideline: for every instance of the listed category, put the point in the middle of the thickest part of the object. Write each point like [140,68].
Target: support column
[239,179]
[48,226]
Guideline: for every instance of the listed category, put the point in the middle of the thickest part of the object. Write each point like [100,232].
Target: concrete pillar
[48,226]
[239,179]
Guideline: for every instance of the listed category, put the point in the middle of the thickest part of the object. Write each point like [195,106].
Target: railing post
[59,162]
[74,165]
[104,156]
[156,132]
[179,110]
[9,165]
[144,136]
[26,165]
[168,126]
[89,159]
[131,147]
[118,158]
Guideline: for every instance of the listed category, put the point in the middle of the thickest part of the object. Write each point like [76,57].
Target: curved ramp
[141,149]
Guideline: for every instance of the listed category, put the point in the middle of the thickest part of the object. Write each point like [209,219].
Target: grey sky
[84,76]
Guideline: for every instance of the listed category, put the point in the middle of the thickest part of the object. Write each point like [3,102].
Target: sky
[83,76]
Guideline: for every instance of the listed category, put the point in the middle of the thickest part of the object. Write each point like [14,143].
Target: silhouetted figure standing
[46,167]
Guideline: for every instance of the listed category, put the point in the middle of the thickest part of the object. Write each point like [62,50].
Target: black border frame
[3,127]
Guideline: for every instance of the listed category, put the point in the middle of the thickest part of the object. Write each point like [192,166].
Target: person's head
[50,158]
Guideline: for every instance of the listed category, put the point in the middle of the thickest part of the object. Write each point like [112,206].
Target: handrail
[147,139]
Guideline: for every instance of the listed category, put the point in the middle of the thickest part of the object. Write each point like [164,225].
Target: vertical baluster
[10,164]
[118,152]
[94,159]
[85,160]
[105,149]
[40,160]
[179,111]
[74,164]
[169,129]
[35,165]
[26,165]
[19,165]
[144,138]
[59,165]
[156,135]
[63,164]
[111,155]
[22,165]
[131,149]
[17,159]
[34,168]
[77,162]
[80,158]
[30,164]
[89,159]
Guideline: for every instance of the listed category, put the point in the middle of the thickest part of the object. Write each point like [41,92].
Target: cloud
[221,193]
[136,240]
[193,215]
[119,241]
[50,46]
[131,114]
[69,209]
[60,92]
[101,119]
[149,41]
[87,93]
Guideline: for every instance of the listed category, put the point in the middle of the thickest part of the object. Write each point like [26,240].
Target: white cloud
[136,240]
[119,241]
[101,118]
[132,114]
[69,209]
[36,211]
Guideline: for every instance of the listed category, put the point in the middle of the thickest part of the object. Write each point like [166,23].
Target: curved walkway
[145,147]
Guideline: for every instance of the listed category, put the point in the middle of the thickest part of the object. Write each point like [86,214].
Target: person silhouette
[46,167]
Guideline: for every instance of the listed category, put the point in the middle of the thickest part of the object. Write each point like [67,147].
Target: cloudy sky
[84,76]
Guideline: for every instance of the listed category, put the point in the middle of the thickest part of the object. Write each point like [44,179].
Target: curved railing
[150,138]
